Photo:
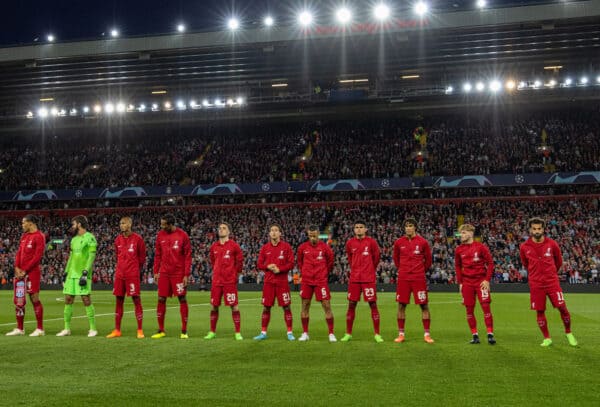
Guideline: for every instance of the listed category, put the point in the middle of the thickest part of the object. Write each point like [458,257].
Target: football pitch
[224,372]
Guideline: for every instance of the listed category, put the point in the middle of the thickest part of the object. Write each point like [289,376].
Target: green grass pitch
[97,371]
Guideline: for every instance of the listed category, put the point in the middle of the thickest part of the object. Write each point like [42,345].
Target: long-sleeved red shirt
[412,258]
[281,255]
[173,253]
[315,262]
[226,260]
[473,263]
[30,252]
[131,255]
[542,261]
[363,257]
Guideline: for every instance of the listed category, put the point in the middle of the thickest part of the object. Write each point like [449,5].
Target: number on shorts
[560,296]
[132,288]
[323,292]
[422,295]
[484,294]
[231,297]
[286,297]
[179,288]
[369,292]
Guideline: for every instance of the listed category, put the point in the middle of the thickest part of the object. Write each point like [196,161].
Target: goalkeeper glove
[83,279]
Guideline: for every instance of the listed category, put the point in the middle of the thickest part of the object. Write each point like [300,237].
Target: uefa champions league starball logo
[519,179]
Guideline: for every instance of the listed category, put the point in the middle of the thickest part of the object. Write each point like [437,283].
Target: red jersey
[226,260]
[315,262]
[473,263]
[173,253]
[280,255]
[542,261]
[412,258]
[363,257]
[131,255]
[30,252]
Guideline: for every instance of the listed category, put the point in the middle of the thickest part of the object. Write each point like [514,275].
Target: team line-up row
[540,255]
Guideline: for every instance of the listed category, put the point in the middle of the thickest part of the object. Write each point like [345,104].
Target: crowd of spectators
[500,223]
[310,150]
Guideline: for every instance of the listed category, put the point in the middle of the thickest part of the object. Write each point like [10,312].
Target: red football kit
[131,257]
[315,263]
[412,258]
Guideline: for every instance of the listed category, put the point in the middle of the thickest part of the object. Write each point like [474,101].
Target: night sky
[86,19]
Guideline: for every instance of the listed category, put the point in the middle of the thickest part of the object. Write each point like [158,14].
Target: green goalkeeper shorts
[72,287]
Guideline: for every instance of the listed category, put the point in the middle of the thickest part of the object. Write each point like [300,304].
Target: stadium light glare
[479,86]
[205,103]
[522,85]
[481,4]
[230,102]
[537,83]
[449,90]
[73,112]
[551,83]
[114,33]
[168,105]
[568,82]
[50,38]
[155,107]
[181,28]
[269,21]
[584,80]
[467,87]
[86,109]
[109,108]
[42,112]
[181,105]
[121,107]
[97,109]
[421,8]
[142,108]
[495,86]
[305,18]
[381,12]
[54,111]
[219,103]
[598,79]
[510,84]
[240,100]
[233,24]
[30,114]
[343,15]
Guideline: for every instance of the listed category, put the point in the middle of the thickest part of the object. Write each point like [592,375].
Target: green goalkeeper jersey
[83,253]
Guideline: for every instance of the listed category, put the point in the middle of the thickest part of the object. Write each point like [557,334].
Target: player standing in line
[78,274]
[28,275]
[130,251]
[363,257]
[474,267]
[315,261]
[412,257]
[542,258]
[172,269]
[276,259]
[227,260]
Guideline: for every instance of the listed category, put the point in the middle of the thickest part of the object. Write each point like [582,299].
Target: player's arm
[375,254]
[523,257]
[349,252]
[458,266]
[427,256]
[329,256]
[211,256]
[157,258]
[289,260]
[187,255]
[261,263]
[558,260]
[91,245]
[300,257]
[239,259]
[488,261]
[396,254]
[141,253]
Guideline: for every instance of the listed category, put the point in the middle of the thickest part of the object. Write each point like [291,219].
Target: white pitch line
[113,314]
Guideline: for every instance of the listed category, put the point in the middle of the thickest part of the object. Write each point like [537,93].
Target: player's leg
[485,301]
[230,294]
[119,293]
[183,312]
[216,293]
[19,299]
[324,295]
[421,297]
[304,316]
[353,298]
[67,313]
[91,314]
[558,301]
[268,300]
[369,291]
[139,315]
[537,297]
[161,309]
[237,322]
[468,295]
[403,299]
[426,318]
[33,289]
[284,299]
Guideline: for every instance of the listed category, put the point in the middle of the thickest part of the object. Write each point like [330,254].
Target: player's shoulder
[182,232]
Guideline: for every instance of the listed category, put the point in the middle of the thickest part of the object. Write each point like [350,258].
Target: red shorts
[33,282]
[321,291]
[417,288]
[368,290]
[228,292]
[169,286]
[471,291]
[272,290]
[129,286]
[537,296]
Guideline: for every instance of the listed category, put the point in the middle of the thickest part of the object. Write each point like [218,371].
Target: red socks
[236,320]
[161,309]
[265,319]
[350,317]
[287,315]
[471,319]
[183,311]
[38,309]
[543,324]
[375,317]
[119,313]
[139,312]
